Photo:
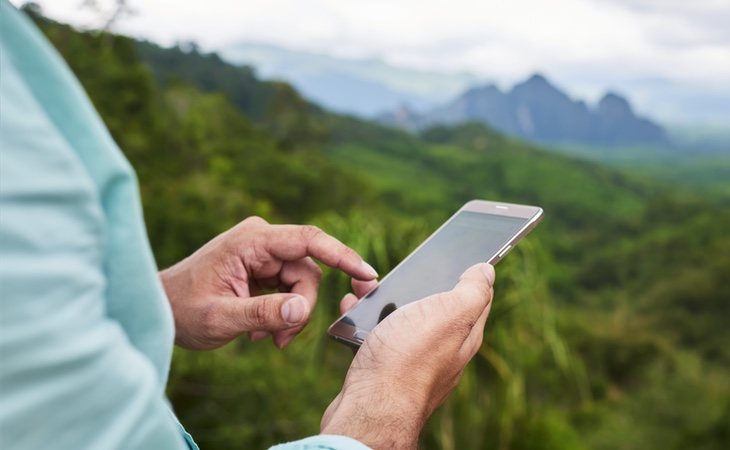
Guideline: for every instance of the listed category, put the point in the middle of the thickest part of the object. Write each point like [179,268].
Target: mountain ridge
[537,110]
[668,101]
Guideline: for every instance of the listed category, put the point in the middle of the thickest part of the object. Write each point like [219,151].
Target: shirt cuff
[323,442]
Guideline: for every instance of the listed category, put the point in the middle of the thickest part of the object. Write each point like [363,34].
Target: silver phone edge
[529,226]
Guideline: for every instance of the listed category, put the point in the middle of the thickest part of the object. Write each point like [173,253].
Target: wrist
[377,417]
[172,282]
[176,287]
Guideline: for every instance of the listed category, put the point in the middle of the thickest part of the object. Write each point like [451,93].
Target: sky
[588,45]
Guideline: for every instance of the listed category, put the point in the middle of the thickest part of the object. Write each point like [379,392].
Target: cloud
[708,19]
[592,44]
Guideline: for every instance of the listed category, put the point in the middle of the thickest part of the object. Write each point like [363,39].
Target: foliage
[608,328]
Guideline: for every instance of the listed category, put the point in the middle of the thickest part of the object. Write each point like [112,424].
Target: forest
[609,326]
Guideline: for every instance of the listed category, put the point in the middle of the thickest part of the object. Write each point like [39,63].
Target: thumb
[479,273]
[474,289]
[270,312]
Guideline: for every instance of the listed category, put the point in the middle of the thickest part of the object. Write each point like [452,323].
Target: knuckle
[349,253]
[254,221]
[345,254]
[259,314]
[310,233]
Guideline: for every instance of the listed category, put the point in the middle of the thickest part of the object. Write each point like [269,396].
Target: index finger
[292,242]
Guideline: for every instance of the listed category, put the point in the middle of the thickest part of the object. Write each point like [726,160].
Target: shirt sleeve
[69,377]
[323,442]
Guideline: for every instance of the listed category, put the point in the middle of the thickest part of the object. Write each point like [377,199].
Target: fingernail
[369,269]
[488,270]
[294,310]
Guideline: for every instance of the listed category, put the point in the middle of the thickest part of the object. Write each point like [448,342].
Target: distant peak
[537,78]
[536,83]
[613,97]
[614,102]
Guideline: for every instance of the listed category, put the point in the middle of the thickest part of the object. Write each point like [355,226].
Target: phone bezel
[346,333]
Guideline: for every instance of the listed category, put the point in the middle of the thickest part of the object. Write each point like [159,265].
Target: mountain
[374,86]
[538,111]
[363,87]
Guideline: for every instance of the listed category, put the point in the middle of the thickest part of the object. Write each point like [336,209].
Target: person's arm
[69,377]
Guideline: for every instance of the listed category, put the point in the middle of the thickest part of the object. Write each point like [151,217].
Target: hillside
[608,328]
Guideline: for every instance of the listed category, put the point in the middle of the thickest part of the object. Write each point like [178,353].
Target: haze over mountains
[368,87]
[538,111]
[363,87]
[535,109]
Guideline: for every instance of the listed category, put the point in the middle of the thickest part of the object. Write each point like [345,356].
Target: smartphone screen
[467,239]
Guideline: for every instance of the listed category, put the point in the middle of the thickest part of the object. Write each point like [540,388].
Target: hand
[214,292]
[410,363]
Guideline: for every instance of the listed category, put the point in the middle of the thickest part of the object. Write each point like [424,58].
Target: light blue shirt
[86,332]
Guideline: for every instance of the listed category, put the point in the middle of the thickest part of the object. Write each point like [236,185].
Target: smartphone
[481,231]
